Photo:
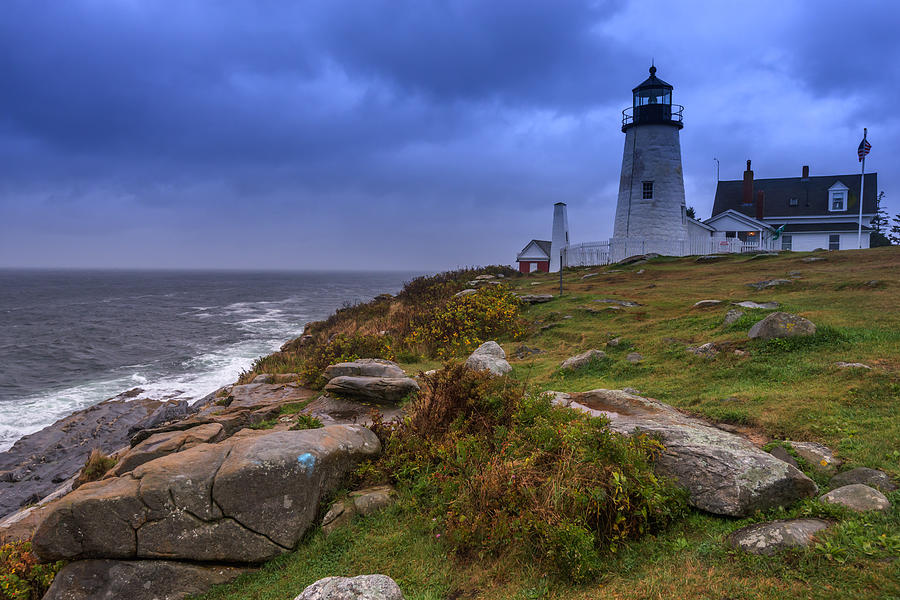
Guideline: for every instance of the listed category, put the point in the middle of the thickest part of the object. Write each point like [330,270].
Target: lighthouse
[650,214]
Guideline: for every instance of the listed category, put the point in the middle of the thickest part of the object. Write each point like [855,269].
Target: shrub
[96,467]
[306,422]
[21,577]
[465,322]
[505,473]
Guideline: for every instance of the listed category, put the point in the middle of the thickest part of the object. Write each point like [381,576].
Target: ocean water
[70,339]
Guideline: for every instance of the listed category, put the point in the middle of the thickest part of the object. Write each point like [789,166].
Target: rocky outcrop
[489,357]
[377,389]
[769,283]
[136,580]
[582,360]
[161,444]
[535,298]
[338,411]
[769,538]
[871,477]
[365,367]
[360,502]
[781,325]
[723,473]
[634,357]
[707,350]
[39,463]
[857,497]
[760,305]
[363,587]
[243,500]
[852,365]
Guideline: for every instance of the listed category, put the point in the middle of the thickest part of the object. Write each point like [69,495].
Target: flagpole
[862,188]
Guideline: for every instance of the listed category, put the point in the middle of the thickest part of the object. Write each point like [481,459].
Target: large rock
[337,411]
[858,497]
[254,395]
[769,538]
[707,303]
[723,473]
[820,457]
[161,444]
[781,325]
[761,305]
[365,367]
[37,464]
[535,298]
[136,580]
[360,502]
[489,357]
[769,283]
[583,359]
[174,410]
[243,500]
[378,389]
[732,316]
[363,587]
[871,477]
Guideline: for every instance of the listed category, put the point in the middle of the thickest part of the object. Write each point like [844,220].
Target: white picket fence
[604,253]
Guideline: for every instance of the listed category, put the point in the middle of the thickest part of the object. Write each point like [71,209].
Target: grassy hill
[769,391]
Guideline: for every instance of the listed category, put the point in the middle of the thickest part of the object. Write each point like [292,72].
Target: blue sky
[406,134]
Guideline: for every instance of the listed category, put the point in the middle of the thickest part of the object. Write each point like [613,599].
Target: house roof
[823,227]
[811,193]
[700,224]
[751,221]
[543,245]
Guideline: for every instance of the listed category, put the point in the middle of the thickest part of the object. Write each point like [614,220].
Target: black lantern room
[652,105]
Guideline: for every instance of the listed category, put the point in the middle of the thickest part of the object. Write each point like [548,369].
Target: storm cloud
[407,135]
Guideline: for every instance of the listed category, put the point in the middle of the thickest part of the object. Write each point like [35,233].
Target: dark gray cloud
[400,134]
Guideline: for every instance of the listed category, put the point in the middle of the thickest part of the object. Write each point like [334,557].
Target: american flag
[864,147]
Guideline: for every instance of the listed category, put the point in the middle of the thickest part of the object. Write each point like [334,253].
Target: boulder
[364,367]
[781,453]
[709,258]
[707,350]
[732,316]
[769,538]
[634,357]
[589,275]
[810,259]
[339,411]
[174,410]
[638,258]
[762,305]
[38,463]
[164,443]
[489,357]
[781,325]
[524,351]
[871,477]
[858,497]
[851,365]
[614,343]
[761,255]
[360,502]
[244,500]
[465,292]
[362,587]
[535,298]
[582,360]
[724,473]
[820,457]
[484,277]
[136,580]
[255,395]
[706,303]
[379,389]
[769,283]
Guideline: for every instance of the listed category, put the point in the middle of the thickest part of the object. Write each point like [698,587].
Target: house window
[834,241]
[786,242]
[837,201]
[648,190]
[837,197]
[794,201]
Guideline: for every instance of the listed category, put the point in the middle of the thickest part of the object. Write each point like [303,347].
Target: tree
[894,233]
[691,212]
[879,225]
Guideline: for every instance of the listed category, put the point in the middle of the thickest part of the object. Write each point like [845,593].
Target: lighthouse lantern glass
[652,96]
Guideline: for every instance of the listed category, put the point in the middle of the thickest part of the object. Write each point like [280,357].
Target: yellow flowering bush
[21,576]
[465,322]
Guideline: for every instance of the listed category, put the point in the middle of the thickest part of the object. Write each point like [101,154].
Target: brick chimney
[805,172]
[748,187]
[760,204]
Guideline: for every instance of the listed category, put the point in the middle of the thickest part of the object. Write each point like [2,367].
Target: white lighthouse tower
[650,214]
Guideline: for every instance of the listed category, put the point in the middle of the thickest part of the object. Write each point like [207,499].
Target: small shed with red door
[534,257]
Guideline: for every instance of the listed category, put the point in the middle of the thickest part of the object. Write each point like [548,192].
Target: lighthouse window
[648,190]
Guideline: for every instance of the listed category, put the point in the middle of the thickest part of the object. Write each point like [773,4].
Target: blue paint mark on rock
[308,461]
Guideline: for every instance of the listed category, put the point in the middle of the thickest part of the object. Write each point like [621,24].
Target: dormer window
[794,201]
[837,197]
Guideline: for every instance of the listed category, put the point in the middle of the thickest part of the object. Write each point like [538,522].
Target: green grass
[781,390]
